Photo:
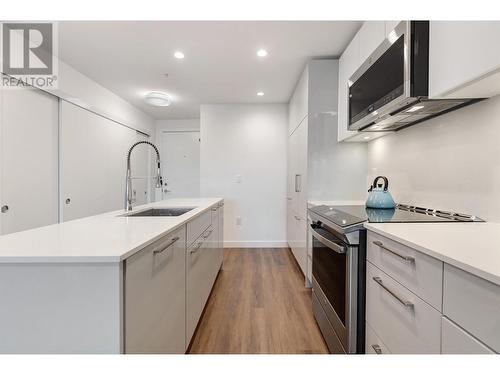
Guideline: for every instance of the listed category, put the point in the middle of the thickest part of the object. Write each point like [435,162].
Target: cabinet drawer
[195,284]
[420,273]
[154,289]
[373,343]
[456,341]
[474,304]
[415,328]
[197,226]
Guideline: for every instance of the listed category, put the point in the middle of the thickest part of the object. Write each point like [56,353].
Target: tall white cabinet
[28,159]
[319,168]
[297,171]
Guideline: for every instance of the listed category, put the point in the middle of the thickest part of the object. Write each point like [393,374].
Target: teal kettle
[379,196]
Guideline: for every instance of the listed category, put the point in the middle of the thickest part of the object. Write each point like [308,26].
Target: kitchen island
[110,283]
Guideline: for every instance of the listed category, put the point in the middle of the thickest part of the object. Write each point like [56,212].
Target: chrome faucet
[128,183]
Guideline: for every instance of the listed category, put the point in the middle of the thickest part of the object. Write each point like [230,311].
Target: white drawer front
[456,341]
[474,304]
[403,329]
[197,226]
[419,273]
[373,343]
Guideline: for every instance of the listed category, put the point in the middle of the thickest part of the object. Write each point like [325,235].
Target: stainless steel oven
[338,282]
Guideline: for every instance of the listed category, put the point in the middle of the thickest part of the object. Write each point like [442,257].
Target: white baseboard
[254,244]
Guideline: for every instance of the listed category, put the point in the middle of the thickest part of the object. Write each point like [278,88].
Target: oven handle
[325,241]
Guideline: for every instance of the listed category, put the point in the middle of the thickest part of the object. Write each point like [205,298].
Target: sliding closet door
[93,162]
[28,159]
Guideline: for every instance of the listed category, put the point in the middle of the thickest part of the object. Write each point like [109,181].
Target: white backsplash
[451,162]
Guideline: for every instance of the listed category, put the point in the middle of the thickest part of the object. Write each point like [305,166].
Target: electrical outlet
[238,220]
[237,179]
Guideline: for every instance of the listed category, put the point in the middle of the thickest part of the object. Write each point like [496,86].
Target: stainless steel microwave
[390,90]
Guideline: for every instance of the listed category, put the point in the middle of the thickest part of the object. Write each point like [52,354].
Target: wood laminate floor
[258,305]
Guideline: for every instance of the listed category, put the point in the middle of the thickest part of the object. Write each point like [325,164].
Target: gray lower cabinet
[154,297]
[202,266]
[194,287]
[416,304]
[456,341]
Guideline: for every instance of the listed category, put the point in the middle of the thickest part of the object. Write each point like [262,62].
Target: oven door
[335,283]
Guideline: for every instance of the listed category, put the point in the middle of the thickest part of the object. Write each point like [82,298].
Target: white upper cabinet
[347,65]
[464,59]
[371,34]
[298,107]
[389,26]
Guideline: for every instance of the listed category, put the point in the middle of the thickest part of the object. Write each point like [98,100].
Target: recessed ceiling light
[178,55]
[157,99]
[262,53]
[260,93]
[367,137]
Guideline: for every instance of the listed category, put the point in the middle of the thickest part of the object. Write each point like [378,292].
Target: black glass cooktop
[345,216]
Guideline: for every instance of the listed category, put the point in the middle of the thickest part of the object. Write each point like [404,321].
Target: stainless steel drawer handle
[377,349]
[405,303]
[406,258]
[192,251]
[208,234]
[174,240]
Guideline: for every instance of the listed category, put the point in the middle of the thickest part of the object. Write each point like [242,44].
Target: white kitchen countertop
[101,238]
[472,247]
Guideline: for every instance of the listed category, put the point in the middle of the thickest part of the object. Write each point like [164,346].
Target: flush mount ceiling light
[179,55]
[260,93]
[157,99]
[262,53]
[367,137]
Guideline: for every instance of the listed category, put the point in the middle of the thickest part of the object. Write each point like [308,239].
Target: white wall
[451,162]
[251,141]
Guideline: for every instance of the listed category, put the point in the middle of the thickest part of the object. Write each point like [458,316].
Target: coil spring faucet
[128,182]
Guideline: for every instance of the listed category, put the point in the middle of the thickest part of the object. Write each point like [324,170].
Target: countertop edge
[493,278]
[104,259]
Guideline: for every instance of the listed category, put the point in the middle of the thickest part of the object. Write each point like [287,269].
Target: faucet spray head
[159,180]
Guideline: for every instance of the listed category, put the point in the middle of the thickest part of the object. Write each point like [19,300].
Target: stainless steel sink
[173,211]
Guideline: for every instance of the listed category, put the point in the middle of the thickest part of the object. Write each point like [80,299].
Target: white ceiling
[221,66]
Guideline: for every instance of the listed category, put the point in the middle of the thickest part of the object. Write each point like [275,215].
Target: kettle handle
[386,182]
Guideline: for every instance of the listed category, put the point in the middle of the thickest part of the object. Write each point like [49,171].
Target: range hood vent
[416,112]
